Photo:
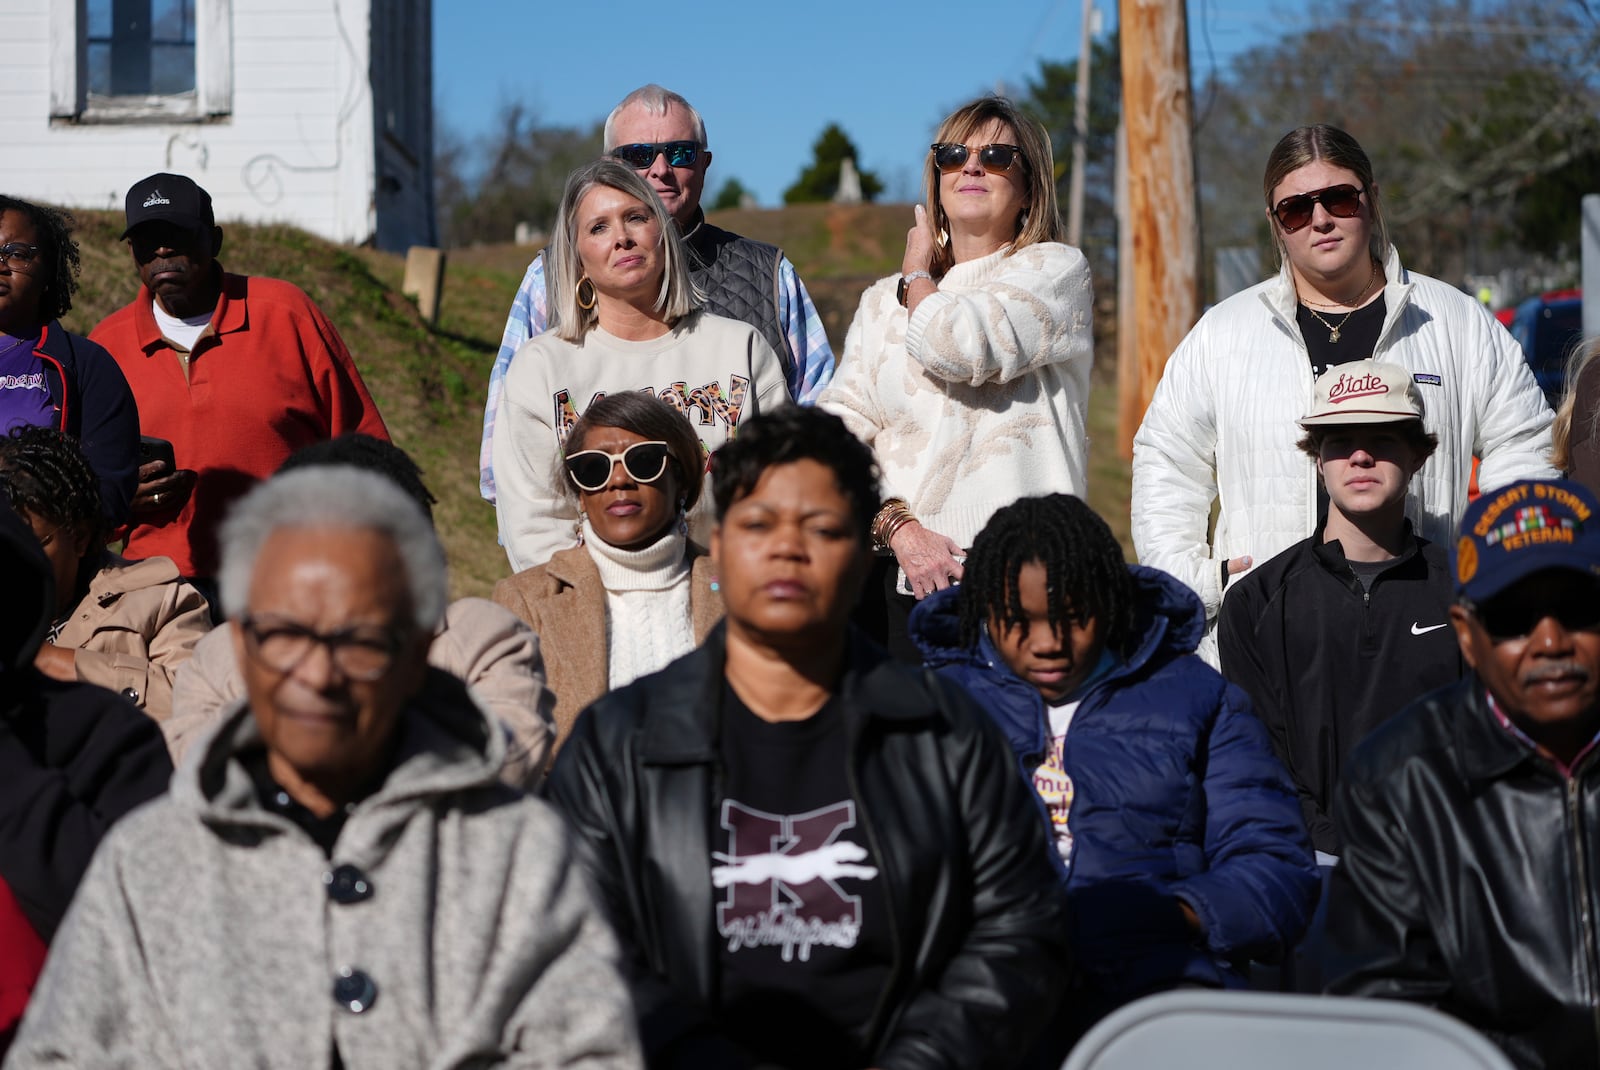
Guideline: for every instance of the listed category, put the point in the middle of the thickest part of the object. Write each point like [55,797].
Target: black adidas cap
[170,199]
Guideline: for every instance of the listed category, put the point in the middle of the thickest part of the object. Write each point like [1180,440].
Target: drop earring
[577,526]
[683,518]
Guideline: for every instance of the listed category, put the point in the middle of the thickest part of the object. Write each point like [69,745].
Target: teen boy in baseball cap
[1339,632]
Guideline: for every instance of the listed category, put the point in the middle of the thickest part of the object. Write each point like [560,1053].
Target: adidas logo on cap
[155,198]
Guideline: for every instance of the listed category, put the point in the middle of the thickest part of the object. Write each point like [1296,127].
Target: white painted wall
[297,146]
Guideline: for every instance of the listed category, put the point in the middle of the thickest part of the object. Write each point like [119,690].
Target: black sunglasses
[642,154]
[1295,212]
[645,462]
[1505,620]
[952,156]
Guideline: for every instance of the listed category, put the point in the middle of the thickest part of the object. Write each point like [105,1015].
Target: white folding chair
[1210,1030]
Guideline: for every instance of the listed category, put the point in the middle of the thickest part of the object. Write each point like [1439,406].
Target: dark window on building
[141,47]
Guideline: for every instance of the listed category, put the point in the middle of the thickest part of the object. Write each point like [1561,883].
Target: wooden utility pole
[1163,216]
[1080,130]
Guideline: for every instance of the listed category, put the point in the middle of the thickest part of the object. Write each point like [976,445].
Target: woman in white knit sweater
[637,593]
[623,317]
[968,373]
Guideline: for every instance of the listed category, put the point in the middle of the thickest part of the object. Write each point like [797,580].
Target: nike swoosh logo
[1417,630]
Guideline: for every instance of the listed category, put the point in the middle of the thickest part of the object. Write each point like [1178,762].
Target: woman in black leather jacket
[816,857]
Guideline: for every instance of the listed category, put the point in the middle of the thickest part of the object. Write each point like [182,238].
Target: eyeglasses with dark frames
[359,652]
[13,253]
[952,156]
[1293,213]
[642,154]
[644,462]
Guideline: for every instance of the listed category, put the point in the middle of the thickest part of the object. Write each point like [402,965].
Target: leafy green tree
[1052,98]
[731,195]
[820,181]
[1531,139]
[1469,122]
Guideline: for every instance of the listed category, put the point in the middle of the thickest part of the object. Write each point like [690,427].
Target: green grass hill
[430,382]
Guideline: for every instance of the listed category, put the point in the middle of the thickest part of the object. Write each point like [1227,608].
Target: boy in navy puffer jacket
[1181,833]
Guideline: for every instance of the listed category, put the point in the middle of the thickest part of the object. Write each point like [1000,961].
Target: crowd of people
[819,721]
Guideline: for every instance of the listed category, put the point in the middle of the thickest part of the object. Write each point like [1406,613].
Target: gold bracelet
[891,510]
[882,516]
[900,522]
[894,515]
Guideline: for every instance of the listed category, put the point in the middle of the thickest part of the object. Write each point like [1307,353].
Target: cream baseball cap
[1364,392]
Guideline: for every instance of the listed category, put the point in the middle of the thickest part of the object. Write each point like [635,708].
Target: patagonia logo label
[1429,379]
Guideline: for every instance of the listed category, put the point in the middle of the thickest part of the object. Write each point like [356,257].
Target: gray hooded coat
[448,930]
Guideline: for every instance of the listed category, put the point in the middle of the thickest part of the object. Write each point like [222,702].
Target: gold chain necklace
[1335,328]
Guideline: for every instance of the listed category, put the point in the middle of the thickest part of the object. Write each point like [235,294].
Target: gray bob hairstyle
[340,497]
[570,320]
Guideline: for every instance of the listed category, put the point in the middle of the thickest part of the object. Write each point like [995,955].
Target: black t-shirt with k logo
[804,944]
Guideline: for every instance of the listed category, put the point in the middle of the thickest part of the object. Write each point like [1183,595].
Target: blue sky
[768,77]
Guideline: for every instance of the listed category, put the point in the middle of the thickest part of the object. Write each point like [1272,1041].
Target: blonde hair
[1308,144]
[1578,365]
[1040,219]
[570,320]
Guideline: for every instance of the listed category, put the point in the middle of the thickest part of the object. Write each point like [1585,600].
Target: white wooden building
[311,112]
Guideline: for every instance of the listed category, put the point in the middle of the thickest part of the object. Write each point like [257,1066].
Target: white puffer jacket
[1222,428]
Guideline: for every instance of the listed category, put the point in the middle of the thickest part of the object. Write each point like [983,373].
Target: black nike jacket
[1325,662]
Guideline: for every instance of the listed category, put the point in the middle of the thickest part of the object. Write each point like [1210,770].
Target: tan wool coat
[564,602]
[138,623]
[493,652]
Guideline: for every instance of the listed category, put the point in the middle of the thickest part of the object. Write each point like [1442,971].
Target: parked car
[1548,327]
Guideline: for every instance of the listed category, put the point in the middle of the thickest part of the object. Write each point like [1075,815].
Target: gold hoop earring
[578,293]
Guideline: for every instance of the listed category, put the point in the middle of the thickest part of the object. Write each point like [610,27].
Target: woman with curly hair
[50,377]
[125,625]
[811,854]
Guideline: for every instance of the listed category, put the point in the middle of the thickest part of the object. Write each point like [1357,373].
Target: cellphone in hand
[156,449]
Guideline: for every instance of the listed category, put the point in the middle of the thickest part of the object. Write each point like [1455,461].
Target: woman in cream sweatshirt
[623,317]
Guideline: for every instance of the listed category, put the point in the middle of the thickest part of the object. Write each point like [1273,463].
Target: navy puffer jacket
[1176,796]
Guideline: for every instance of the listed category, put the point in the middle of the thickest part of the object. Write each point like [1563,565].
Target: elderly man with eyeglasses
[659,134]
[1472,818]
[338,878]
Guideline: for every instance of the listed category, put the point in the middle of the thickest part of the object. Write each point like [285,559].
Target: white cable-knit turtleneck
[647,604]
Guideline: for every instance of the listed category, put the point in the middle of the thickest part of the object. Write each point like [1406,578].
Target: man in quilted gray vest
[660,135]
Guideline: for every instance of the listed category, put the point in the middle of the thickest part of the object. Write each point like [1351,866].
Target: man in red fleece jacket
[20,964]
[237,372]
